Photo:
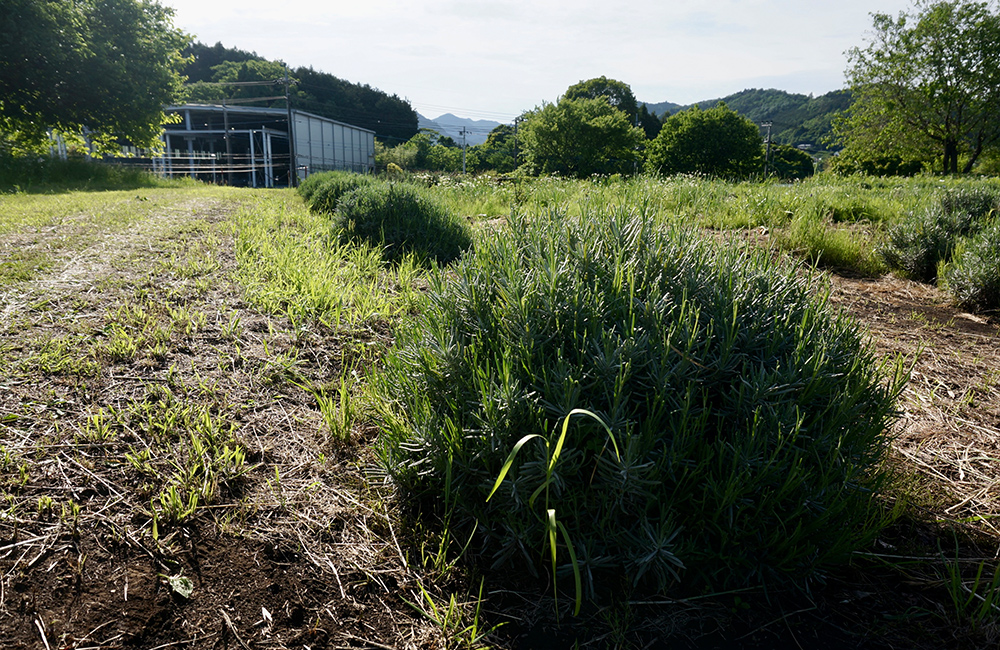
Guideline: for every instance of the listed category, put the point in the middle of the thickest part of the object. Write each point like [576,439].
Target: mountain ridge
[796,119]
[451,125]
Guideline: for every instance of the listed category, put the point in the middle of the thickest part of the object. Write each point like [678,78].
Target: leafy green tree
[443,158]
[389,116]
[104,65]
[617,93]
[649,122]
[716,142]
[253,70]
[428,150]
[497,153]
[203,58]
[927,85]
[580,137]
[790,163]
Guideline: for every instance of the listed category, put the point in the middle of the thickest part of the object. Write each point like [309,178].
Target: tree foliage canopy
[927,84]
[391,118]
[717,142]
[105,65]
[790,163]
[617,93]
[580,137]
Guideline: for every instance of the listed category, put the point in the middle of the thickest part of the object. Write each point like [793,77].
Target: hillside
[796,119]
[391,118]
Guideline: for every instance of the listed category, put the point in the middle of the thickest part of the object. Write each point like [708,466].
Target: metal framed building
[249,146]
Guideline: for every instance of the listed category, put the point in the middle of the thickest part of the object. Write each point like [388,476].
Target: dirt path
[950,428]
[155,439]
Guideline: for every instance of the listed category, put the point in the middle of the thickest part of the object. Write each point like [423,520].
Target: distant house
[250,146]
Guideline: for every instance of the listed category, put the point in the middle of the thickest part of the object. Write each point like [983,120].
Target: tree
[649,122]
[104,65]
[203,58]
[391,118]
[580,137]
[789,163]
[497,153]
[927,85]
[717,142]
[617,93]
[241,72]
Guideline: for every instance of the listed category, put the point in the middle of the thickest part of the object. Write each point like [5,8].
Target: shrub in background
[847,163]
[403,220]
[322,191]
[974,276]
[307,187]
[918,244]
[35,174]
[969,207]
[915,246]
[751,420]
[790,163]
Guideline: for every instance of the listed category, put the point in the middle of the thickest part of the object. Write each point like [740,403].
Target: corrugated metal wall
[322,145]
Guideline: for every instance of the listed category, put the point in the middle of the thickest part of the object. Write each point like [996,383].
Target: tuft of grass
[845,248]
[290,266]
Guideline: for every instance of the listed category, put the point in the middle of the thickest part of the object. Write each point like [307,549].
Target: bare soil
[300,550]
[297,552]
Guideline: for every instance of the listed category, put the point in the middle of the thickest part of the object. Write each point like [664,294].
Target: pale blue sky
[494,59]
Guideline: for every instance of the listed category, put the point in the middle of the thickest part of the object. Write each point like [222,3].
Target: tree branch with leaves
[927,85]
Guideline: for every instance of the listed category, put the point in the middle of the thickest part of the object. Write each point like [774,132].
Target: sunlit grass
[94,212]
[290,264]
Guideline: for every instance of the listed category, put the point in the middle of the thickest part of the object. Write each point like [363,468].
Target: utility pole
[229,146]
[767,151]
[463,150]
[516,120]
[292,172]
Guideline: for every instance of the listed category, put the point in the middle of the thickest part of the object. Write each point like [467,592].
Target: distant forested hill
[391,118]
[796,119]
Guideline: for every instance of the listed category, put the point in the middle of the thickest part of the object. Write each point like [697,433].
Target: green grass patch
[289,264]
[22,265]
[40,174]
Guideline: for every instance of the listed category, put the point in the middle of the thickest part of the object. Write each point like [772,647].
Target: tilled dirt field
[132,370]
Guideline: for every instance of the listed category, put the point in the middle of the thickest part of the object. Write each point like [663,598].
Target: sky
[494,59]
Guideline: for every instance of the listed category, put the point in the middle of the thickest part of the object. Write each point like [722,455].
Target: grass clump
[322,191]
[974,276]
[838,247]
[402,220]
[746,422]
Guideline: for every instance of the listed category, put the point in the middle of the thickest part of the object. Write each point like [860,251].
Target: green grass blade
[510,461]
